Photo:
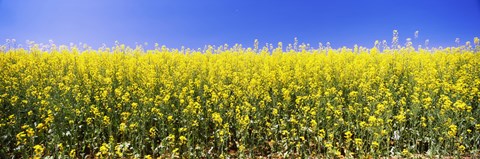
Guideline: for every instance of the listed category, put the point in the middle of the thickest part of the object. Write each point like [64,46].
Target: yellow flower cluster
[235,102]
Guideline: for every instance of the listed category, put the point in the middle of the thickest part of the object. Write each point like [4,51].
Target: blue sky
[193,24]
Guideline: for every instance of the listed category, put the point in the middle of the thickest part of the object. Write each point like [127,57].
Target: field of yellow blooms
[234,102]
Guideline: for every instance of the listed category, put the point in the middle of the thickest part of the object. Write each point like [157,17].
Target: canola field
[239,103]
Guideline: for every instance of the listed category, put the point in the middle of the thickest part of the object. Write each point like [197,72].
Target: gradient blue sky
[193,24]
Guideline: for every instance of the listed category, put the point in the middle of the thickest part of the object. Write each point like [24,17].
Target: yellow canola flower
[358,142]
[348,136]
[38,149]
[153,132]
[452,132]
[375,144]
[30,132]
[182,139]
[106,120]
[104,148]
[72,153]
[217,119]
[122,128]
[21,138]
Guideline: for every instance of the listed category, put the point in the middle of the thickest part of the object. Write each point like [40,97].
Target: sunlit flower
[38,149]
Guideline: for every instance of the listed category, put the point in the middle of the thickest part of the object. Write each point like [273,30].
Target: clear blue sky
[193,24]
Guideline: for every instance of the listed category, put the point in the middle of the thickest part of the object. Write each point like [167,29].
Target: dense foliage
[235,102]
